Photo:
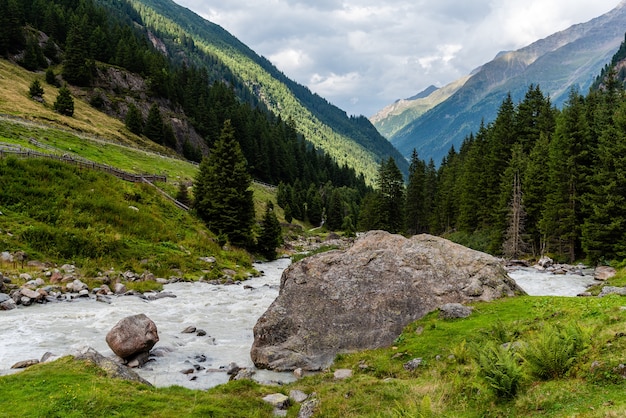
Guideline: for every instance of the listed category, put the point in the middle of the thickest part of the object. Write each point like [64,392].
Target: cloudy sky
[362,55]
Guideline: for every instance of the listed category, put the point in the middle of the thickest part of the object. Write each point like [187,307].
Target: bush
[500,368]
[555,350]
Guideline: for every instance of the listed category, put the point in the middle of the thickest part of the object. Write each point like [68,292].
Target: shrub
[555,350]
[501,370]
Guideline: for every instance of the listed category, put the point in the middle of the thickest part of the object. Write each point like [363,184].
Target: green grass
[57,212]
[68,388]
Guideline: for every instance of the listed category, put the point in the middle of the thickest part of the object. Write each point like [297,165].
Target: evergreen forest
[536,181]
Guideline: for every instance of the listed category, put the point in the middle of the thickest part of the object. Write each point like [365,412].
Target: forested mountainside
[350,140]
[570,58]
[103,51]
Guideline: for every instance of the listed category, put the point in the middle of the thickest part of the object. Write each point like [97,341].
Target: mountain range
[573,58]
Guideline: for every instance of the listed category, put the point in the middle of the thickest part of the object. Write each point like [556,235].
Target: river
[226,312]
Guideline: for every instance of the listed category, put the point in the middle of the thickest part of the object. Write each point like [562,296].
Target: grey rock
[612,290]
[8,305]
[277,400]
[132,335]
[232,369]
[341,374]
[298,396]
[308,408]
[365,296]
[603,273]
[454,311]
[243,374]
[119,289]
[412,364]
[189,330]
[25,363]
[112,368]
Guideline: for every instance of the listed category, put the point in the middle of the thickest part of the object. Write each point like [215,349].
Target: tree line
[536,180]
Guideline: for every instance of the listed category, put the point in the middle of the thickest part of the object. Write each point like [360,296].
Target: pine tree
[514,243]
[414,205]
[78,68]
[271,234]
[223,199]
[391,192]
[154,125]
[134,120]
[64,103]
[604,228]
[36,91]
[568,166]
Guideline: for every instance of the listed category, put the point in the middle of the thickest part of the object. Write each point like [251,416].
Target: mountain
[353,141]
[394,117]
[568,59]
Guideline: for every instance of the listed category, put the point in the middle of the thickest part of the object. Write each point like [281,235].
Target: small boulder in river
[132,335]
[363,297]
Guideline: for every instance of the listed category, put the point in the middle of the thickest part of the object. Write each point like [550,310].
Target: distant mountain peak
[569,58]
[426,92]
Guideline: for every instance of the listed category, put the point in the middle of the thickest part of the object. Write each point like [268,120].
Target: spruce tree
[568,166]
[414,206]
[36,91]
[271,234]
[391,192]
[154,125]
[223,199]
[134,120]
[64,103]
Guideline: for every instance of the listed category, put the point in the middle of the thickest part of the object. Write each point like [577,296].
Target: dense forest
[535,181]
[77,36]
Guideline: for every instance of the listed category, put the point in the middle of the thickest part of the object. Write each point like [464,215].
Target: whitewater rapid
[226,312]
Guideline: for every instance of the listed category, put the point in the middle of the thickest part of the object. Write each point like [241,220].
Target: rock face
[363,297]
[132,335]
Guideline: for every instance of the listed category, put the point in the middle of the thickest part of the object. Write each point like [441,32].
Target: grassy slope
[95,136]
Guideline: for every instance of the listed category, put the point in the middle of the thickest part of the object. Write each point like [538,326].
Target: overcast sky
[362,55]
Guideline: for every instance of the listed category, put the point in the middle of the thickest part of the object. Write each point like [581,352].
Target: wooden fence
[81,163]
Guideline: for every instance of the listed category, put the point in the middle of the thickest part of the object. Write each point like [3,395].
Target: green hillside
[349,140]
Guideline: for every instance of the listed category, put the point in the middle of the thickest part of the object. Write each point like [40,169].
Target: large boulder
[363,297]
[132,335]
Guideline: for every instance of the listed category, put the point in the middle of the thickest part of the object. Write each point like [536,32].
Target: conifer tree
[271,234]
[514,239]
[391,192]
[154,125]
[604,228]
[134,120]
[414,205]
[568,159]
[223,199]
[36,91]
[64,103]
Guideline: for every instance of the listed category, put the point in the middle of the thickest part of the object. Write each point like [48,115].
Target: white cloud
[364,54]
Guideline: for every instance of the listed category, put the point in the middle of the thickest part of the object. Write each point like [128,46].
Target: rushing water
[538,283]
[227,314]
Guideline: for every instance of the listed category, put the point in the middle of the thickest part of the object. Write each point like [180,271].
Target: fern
[500,369]
[555,350]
